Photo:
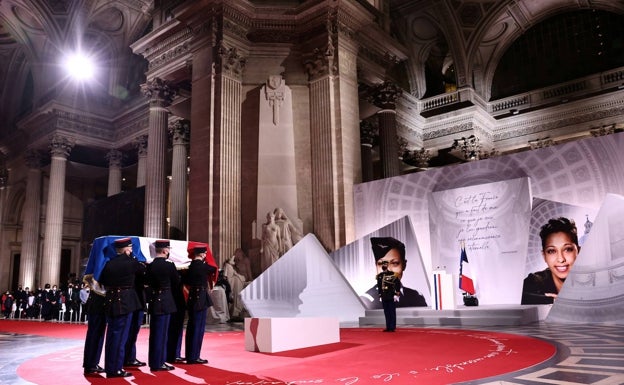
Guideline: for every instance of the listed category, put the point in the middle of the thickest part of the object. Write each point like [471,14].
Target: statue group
[279,234]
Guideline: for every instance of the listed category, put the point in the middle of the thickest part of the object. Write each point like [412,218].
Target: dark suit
[96,326]
[161,277]
[72,304]
[198,302]
[118,277]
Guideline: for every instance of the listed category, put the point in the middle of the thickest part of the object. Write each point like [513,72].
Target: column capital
[369,132]
[386,95]
[321,61]
[180,131]
[229,61]
[114,158]
[140,143]
[158,91]
[61,145]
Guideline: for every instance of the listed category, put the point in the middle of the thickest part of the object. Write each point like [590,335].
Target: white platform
[270,335]
[482,315]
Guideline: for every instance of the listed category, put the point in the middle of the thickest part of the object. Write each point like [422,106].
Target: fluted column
[334,135]
[60,147]
[177,217]
[385,97]
[32,213]
[215,176]
[155,184]
[114,171]
[368,134]
[141,146]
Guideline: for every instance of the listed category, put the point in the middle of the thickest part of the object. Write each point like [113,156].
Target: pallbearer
[118,277]
[198,279]
[162,275]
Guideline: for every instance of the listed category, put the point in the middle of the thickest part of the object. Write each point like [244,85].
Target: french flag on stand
[465,282]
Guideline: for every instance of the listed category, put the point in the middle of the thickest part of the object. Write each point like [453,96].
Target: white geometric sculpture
[304,282]
[594,289]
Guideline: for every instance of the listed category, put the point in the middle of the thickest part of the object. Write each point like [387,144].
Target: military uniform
[118,277]
[388,286]
[162,275]
[96,327]
[198,302]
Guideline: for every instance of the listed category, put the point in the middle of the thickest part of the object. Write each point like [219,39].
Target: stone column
[60,147]
[215,177]
[30,224]
[335,137]
[160,95]
[114,171]
[385,97]
[141,146]
[368,134]
[177,218]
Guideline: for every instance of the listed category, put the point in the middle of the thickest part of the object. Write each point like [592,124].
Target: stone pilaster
[60,147]
[141,146]
[160,95]
[180,131]
[335,137]
[114,158]
[385,97]
[30,224]
[215,177]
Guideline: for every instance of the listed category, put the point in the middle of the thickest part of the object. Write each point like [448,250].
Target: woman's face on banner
[560,253]
[393,260]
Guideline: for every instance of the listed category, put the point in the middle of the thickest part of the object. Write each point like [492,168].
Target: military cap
[381,246]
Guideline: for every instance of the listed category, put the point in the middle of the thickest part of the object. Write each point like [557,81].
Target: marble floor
[586,354]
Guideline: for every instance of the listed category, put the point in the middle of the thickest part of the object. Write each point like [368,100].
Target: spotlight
[79,66]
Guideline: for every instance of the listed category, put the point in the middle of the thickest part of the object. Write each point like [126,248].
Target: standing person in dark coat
[199,301]
[162,275]
[389,289]
[96,326]
[118,277]
[72,303]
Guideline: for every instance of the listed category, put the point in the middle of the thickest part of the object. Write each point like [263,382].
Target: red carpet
[364,356]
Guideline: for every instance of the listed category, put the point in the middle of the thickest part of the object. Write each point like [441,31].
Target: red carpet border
[364,356]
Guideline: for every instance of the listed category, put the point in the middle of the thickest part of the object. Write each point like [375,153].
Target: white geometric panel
[594,289]
[304,282]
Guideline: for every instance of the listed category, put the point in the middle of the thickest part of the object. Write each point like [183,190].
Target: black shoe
[163,367]
[135,363]
[119,373]
[179,360]
[95,370]
[388,330]
[197,361]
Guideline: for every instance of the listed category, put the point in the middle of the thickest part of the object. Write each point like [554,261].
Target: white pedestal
[443,291]
[270,335]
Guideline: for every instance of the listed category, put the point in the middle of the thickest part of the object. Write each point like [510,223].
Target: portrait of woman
[560,247]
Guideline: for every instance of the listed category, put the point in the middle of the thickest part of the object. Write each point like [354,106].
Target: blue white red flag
[465,282]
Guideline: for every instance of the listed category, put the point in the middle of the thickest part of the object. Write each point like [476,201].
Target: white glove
[396,298]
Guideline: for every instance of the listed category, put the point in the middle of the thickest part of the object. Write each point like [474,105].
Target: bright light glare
[79,67]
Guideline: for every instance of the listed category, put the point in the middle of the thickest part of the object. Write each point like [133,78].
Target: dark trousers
[135,327]
[174,337]
[195,329]
[389,308]
[116,336]
[159,324]
[94,340]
